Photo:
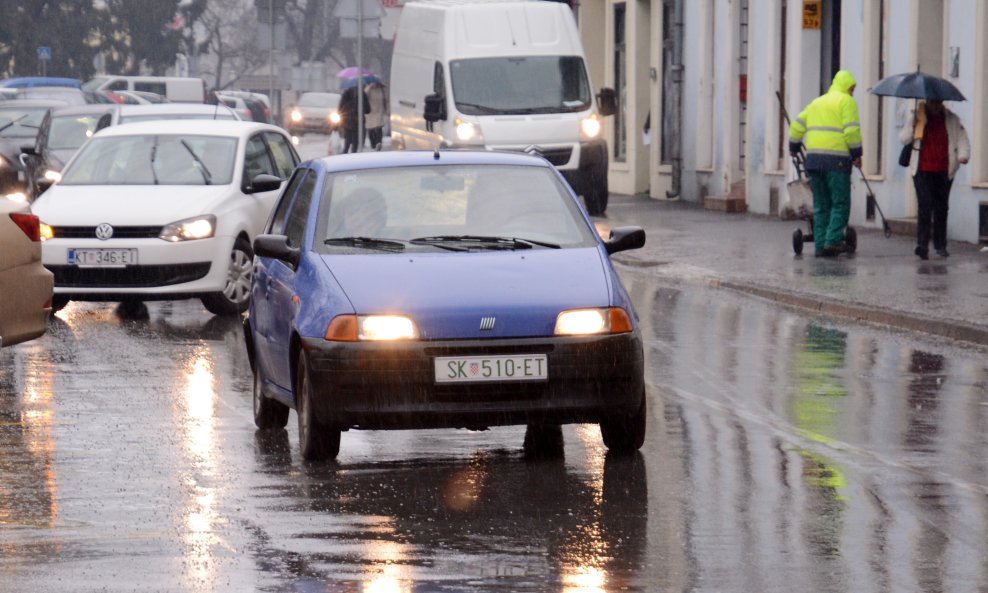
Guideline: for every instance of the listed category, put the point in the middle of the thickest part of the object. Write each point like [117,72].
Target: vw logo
[104,231]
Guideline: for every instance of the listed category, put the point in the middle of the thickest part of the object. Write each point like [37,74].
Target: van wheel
[595,190]
[234,297]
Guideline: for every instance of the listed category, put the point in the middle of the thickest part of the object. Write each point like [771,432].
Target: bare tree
[230,36]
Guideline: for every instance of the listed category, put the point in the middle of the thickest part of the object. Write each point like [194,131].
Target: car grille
[128,277]
[119,232]
[556,156]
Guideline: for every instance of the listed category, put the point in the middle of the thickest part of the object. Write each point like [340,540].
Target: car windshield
[154,160]
[450,207]
[518,85]
[318,100]
[19,122]
[71,132]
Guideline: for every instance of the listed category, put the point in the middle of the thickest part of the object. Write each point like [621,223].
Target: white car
[25,285]
[156,111]
[164,210]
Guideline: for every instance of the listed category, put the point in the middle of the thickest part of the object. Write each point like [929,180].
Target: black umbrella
[916,85]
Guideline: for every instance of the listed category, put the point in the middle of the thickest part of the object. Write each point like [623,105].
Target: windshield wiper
[484,241]
[12,122]
[367,242]
[206,175]
[479,107]
[154,154]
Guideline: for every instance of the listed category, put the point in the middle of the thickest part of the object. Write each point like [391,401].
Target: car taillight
[29,223]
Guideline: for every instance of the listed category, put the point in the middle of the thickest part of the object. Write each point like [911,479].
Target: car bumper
[393,385]
[163,269]
[26,303]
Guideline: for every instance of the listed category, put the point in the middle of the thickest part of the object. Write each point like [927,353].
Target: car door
[275,280]
[257,161]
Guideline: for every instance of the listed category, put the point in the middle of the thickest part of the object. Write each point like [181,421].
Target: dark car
[20,121]
[441,290]
[62,132]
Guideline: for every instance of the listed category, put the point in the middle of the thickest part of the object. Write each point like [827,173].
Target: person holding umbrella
[943,146]
[941,142]
[830,129]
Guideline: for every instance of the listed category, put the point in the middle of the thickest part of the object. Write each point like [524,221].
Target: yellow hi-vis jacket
[829,128]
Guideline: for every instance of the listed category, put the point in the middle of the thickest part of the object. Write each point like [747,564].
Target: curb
[953,330]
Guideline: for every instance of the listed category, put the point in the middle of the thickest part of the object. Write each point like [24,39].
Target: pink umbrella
[353,72]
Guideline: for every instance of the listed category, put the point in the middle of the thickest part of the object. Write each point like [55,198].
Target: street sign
[44,53]
[812,11]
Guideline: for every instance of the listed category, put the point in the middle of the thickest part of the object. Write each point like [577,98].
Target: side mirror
[262,183]
[625,237]
[104,121]
[607,101]
[277,247]
[435,108]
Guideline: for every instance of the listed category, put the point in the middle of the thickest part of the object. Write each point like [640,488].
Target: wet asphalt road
[784,453]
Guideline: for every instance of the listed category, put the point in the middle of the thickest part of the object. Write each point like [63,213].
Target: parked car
[20,121]
[44,81]
[25,284]
[164,210]
[314,112]
[452,289]
[66,94]
[178,89]
[258,103]
[135,113]
[238,104]
[139,97]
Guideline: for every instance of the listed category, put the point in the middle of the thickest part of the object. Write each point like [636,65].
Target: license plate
[102,257]
[470,369]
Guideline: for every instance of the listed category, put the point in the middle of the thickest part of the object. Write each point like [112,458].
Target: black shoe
[921,253]
[943,253]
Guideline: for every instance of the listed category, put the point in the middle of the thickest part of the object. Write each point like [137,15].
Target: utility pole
[360,76]
[271,61]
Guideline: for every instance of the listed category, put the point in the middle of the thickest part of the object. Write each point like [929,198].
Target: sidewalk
[883,282]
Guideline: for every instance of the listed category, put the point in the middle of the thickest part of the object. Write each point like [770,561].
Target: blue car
[399,290]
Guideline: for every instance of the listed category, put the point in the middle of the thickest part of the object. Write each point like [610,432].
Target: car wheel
[625,434]
[316,441]
[234,297]
[797,241]
[268,413]
[544,441]
[595,190]
[58,302]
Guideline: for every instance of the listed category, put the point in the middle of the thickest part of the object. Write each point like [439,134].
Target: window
[281,210]
[620,85]
[299,213]
[284,156]
[256,159]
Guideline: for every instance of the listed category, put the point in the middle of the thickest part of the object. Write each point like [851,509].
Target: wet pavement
[882,282]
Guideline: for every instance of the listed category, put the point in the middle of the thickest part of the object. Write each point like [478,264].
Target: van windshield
[520,84]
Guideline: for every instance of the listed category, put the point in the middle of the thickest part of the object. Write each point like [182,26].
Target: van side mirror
[607,101]
[435,108]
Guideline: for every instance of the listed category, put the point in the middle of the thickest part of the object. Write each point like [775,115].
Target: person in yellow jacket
[831,131]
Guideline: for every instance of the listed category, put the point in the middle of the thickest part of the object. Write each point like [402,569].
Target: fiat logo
[104,231]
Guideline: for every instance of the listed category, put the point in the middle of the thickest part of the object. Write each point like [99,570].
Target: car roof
[33,103]
[36,81]
[193,108]
[90,108]
[412,158]
[198,127]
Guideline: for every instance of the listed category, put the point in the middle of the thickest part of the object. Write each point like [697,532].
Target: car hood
[85,205]
[448,294]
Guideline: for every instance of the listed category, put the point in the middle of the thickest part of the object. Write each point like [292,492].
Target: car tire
[268,413]
[316,441]
[625,434]
[595,190]
[58,302]
[235,296]
[543,441]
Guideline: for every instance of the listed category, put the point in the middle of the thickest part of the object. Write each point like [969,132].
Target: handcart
[801,201]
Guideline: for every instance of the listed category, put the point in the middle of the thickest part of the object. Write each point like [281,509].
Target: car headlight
[590,127]
[200,227]
[334,118]
[366,328]
[468,132]
[585,322]
[295,115]
[46,231]
[53,175]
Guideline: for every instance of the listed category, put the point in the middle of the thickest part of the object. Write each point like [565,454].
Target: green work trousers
[831,207]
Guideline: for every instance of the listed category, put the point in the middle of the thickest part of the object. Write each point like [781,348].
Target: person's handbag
[906,154]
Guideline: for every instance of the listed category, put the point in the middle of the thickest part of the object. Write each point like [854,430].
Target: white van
[175,88]
[500,75]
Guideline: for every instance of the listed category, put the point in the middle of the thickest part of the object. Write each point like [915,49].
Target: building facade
[716,79]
